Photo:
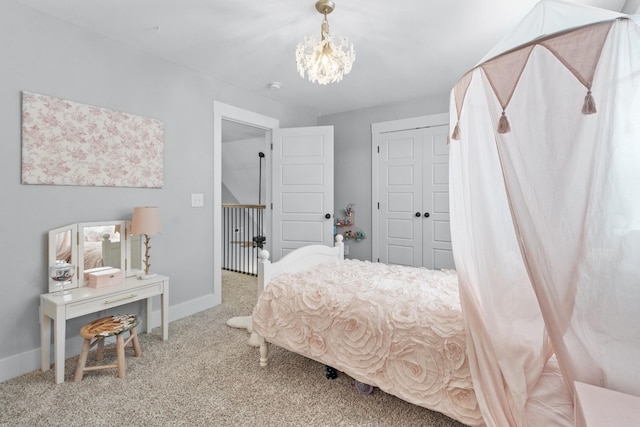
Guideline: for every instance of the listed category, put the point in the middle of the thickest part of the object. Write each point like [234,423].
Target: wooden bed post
[264,271]
[264,275]
[340,245]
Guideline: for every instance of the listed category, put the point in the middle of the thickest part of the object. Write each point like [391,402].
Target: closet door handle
[418,215]
[427,214]
[328,216]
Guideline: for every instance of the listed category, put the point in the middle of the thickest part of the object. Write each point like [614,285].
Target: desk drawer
[114,299]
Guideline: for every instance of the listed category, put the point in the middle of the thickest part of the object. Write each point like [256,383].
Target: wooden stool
[95,333]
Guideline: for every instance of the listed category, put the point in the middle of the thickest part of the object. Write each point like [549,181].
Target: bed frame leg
[332,373]
[264,352]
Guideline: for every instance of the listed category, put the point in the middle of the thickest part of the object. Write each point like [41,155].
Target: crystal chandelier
[325,61]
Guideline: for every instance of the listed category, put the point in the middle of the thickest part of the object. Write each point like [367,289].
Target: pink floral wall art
[67,143]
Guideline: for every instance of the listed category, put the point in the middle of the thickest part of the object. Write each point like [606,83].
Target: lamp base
[147,276]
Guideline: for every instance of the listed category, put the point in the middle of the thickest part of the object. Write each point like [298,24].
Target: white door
[413,212]
[400,190]
[436,237]
[302,161]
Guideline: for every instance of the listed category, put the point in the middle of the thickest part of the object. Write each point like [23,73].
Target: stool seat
[95,332]
[108,326]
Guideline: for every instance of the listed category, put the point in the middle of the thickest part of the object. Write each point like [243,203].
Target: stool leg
[136,344]
[122,367]
[100,349]
[82,360]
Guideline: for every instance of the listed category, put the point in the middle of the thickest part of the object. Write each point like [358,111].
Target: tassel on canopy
[459,92]
[456,132]
[589,106]
[503,73]
[571,49]
[503,124]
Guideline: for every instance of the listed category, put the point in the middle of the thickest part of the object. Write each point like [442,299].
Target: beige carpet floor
[206,375]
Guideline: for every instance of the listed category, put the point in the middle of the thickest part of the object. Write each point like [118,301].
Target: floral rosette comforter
[397,328]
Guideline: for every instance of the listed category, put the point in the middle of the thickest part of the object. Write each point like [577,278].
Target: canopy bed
[545,212]
[545,221]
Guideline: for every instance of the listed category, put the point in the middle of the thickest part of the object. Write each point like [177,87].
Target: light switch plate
[197,200]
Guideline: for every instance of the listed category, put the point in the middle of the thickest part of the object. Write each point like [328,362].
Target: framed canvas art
[68,143]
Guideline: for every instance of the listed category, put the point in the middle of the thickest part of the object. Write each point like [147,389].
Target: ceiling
[405,49]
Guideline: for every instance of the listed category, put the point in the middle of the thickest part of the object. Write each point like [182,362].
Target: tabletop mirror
[91,245]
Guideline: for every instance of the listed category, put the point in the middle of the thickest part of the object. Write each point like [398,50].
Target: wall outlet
[197,200]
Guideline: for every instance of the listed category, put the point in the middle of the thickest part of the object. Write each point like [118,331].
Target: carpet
[206,375]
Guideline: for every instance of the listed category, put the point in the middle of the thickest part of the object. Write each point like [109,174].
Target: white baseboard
[187,308]
[19,364]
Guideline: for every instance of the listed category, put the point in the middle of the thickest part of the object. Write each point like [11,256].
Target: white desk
[86,300]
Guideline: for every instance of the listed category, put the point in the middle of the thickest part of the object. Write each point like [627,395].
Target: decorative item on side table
[146,222]
[351,231]
[62,273]
[105,277]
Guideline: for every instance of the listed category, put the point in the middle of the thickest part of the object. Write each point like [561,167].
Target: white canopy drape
[545,213]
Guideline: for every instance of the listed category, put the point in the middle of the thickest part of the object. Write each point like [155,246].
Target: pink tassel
[456,132]
[589,106]
[503,124]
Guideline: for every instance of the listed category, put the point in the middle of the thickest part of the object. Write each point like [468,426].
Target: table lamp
[146,222]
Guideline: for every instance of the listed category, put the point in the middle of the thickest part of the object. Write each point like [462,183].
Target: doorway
[224,113]
[244,194]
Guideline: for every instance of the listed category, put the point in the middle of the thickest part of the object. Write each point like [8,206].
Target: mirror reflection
[92,245]
[101,246]
[136,254]
[63,247]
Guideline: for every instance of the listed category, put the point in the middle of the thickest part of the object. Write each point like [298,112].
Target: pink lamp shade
[146,220]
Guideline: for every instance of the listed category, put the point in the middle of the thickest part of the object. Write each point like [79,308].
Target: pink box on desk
[88,272]
[106,277]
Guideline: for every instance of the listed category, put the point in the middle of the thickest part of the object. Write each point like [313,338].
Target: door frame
[377,129]
[221,112]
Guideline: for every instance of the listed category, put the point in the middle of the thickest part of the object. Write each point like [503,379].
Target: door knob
[427,214]
[328,216]
[418,215]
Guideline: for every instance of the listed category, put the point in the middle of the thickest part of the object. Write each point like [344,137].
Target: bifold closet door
[414,200]
[436,232]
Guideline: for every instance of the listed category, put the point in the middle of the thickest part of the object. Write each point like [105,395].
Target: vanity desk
[86,300]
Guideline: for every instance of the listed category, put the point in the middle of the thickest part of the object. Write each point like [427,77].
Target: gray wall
[631,7]
[44,55]
[241,170]
[352,135]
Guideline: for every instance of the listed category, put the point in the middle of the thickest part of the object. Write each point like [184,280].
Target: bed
[393,327]
[98,249]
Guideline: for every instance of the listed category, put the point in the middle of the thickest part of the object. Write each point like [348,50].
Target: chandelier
[325,60]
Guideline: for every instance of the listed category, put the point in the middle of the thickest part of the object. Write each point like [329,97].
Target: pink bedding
[92,255]
[397,328]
